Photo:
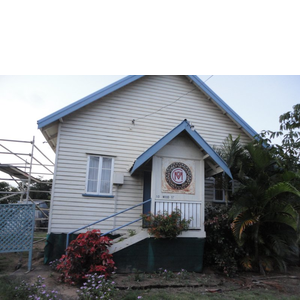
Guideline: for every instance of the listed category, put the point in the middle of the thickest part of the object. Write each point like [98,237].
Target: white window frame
[215,192]
[98,192]
[223,191]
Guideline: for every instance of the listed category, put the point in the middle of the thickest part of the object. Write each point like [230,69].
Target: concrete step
[126,241]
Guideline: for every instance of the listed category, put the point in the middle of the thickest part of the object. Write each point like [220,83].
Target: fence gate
[16,228]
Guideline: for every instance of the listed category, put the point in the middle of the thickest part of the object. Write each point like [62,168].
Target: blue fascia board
[87,100]
[131,78]
[183,126]
[208,91]
[158,145]
[210,151]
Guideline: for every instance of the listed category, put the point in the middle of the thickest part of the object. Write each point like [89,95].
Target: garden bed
[165,284]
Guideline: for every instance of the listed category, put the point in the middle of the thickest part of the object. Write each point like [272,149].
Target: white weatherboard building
[140,138]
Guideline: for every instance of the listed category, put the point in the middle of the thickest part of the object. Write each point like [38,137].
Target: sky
[259,100]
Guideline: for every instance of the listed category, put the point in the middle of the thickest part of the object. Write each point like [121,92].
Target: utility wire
[209,78]
[163,106]
[133,121]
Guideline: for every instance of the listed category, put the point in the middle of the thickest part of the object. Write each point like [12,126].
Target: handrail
[108,232]
[104,219]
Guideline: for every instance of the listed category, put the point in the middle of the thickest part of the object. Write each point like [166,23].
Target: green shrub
[221,249]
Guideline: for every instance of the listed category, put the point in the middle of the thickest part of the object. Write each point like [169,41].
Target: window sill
[98,196]
[221,201]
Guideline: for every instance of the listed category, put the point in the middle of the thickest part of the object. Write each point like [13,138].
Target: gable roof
[87,100]
[131,78]
[184,126]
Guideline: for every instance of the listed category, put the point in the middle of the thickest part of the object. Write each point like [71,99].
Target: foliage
[266,207]
[5,187]
[35,191]
[53,264]
[166,225]
[231,152]
[41,190]
[131,232]
[36,291]
[290,124]
[7,287]
[165,274]
[87,254]
[288,151]
[96,287]
[221,249]
[264,221]
[138,275]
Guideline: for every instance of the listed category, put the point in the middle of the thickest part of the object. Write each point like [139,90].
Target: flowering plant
[166,225]
[35,291]
[85,255]
[96,287]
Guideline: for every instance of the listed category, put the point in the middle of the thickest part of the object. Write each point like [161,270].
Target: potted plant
[165,225]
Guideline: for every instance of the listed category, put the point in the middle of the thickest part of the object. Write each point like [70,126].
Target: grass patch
[5,262]
[190,294]
[7,288]
[39,235]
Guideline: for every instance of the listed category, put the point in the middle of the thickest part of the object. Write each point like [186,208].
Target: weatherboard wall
[157,104]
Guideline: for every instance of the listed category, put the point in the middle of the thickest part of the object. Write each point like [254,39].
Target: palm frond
[289,175]
[279,188]
[267,263]
[280,262]
[278,244]
[259,156]
[283,213]
[247,262]
[241,222]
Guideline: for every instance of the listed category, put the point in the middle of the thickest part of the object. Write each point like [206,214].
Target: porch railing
[104,219]
[188,210]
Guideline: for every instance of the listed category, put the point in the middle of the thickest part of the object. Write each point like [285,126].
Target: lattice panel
[16,227]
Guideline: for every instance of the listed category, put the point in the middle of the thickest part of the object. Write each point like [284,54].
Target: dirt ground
[284,284]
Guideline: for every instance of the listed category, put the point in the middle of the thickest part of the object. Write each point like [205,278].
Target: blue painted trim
[87,100]
[98,196]
[183,126]
[131,78]
[120,227]
[111,216]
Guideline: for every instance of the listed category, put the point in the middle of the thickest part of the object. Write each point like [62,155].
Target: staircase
[126,241]
[138,237]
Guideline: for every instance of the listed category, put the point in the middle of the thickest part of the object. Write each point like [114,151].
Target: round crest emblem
[178,176]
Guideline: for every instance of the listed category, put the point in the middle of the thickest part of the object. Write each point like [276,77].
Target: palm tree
[231,151]
[264,221]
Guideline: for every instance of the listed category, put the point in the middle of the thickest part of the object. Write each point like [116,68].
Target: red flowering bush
[166,225]
[87,254]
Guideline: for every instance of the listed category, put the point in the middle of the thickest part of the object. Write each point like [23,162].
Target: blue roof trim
[207,90]
[131,78]
[183,126]
[87,100]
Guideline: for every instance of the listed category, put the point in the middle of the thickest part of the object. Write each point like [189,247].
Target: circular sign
[178,176]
